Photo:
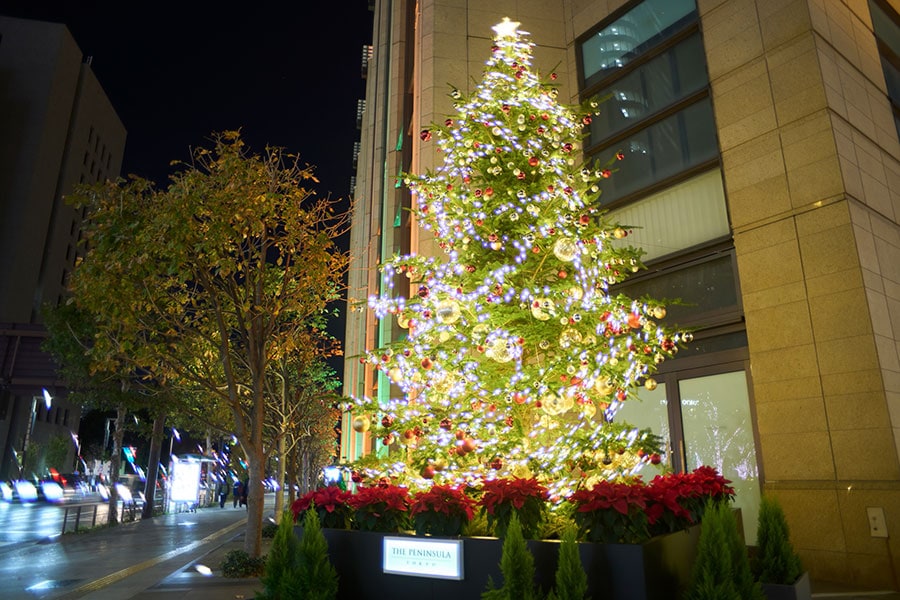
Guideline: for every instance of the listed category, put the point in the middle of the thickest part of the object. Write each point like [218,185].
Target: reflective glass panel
[634,33]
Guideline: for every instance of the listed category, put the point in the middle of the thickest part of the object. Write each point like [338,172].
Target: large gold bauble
[448,312]
[361,423]
[604,387]
[500,350]
[565,249]
[650,384]
[395,374]
[659,312]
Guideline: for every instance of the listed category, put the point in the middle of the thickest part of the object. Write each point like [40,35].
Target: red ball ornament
[425,135]
[355,477]
[428,472]
[655,459]
[533,161]
[387,421]
[620,156]
[496,464]
[446,424]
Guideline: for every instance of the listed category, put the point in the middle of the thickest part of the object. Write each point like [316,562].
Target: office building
[58,129]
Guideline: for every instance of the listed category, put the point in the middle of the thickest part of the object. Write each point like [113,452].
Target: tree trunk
[291,477]
[279,492]
[255,500]
[114,465]
[159,428]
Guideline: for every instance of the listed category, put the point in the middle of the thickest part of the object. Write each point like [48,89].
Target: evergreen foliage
[722,567]
[571,580]
[282,560]
[316,578]
[517,566]
[776,561]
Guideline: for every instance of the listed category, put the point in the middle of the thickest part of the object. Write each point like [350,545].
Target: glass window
[666,148]
[679,217]
[647,409]
[885,28]
[702,289]
[634,33]
[655,85]
[718,431]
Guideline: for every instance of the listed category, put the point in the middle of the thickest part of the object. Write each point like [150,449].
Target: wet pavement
[174,557]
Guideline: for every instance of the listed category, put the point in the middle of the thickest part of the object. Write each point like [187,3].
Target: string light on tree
[516,354]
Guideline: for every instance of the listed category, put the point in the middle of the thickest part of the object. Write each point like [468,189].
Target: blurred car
[25,491]
[6,491]
[51,491]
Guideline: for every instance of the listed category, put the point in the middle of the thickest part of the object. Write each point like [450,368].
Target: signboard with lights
[438,559]
[185,481]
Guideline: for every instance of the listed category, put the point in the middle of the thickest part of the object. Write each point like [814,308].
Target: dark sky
[287,74]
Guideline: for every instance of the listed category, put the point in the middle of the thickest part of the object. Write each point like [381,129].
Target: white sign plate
[438,559]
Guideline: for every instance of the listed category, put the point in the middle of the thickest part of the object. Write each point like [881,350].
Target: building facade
[58,129]
[762,177]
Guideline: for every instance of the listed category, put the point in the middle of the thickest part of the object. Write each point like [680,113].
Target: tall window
[886,24]
[646,65]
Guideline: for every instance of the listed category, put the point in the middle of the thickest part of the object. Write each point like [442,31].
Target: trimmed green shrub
[315,578]
[517,566]
[722,567]
[269,528]
[282,560]
[775,560]
[238,563]
[571,580]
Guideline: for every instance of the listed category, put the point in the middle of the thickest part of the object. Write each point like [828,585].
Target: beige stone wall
[809,151]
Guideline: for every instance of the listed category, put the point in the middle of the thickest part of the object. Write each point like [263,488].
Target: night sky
[286,74]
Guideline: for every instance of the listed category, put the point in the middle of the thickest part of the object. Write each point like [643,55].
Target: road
[36,521]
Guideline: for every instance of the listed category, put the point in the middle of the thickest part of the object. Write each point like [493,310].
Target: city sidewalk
[134,559]
[175,557]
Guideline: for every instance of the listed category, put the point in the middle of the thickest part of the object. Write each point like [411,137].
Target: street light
[29,433]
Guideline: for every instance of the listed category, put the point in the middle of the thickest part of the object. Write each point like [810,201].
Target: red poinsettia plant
[526,497]
[382,508]
[677,500]
[330,503]
[612,512]
[441,510]
[633,512]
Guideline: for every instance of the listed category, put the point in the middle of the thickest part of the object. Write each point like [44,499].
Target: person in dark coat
[222,492]
[237,492]
[246,486]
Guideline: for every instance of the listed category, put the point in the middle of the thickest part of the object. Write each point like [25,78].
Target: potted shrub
[776,566]
[722,568]
[442,510]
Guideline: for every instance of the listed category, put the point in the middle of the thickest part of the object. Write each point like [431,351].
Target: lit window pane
[630,36]
[702,289]
[678,217]
[666,79]
[649,410]
[718,432]
[664,149]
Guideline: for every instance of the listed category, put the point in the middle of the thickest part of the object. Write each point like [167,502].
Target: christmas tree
[517,354]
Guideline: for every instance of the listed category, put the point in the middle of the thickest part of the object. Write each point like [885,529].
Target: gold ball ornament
[395,374]
[659,312]
[650,384]
[604,387]
[619,233]
[565,249]
[448,312]
[361,423]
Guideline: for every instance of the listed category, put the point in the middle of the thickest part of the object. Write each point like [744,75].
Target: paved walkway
[173,557]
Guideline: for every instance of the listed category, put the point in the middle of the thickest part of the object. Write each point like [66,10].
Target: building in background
[58,129]
[762,175]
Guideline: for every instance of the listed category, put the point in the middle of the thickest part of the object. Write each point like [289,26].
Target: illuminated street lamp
[29,433]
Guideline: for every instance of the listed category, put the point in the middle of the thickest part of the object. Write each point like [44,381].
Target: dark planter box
[800,590]
[657,570]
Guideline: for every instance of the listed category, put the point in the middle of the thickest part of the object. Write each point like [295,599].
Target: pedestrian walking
[238,492]
[222,491]
[246,486]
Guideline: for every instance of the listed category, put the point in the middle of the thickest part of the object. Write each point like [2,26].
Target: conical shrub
[775,561]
